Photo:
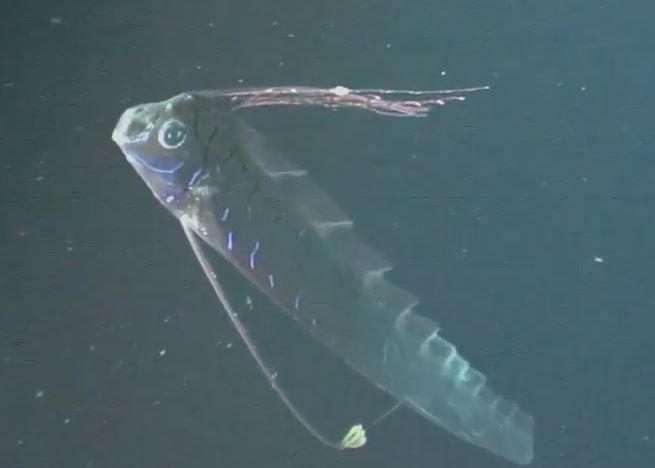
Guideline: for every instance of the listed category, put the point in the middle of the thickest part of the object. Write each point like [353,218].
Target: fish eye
[172,134]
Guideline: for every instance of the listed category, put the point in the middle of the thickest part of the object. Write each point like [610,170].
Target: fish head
[161,142]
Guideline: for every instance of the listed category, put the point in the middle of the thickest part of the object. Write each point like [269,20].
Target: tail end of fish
[437,382]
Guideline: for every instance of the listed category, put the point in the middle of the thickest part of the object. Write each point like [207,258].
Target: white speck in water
[67,421]
[92,348]
[211,25]
[56,20]
[39,178]
[388,45]
[229,345]
[443,72]
[39,393]
[162,353]
[599,259]
[19,443]
[249,302]
[291,35]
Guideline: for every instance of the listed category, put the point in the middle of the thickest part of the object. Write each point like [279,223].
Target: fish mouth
[133,126]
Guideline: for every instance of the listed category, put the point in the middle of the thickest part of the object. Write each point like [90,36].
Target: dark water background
[522,217]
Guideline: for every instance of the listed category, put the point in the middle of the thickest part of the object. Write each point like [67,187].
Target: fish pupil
[173,134]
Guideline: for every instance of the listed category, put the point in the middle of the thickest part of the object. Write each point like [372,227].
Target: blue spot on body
[194,177]
[226,213]
[252,255]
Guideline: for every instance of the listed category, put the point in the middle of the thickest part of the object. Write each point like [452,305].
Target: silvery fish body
[265,216]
